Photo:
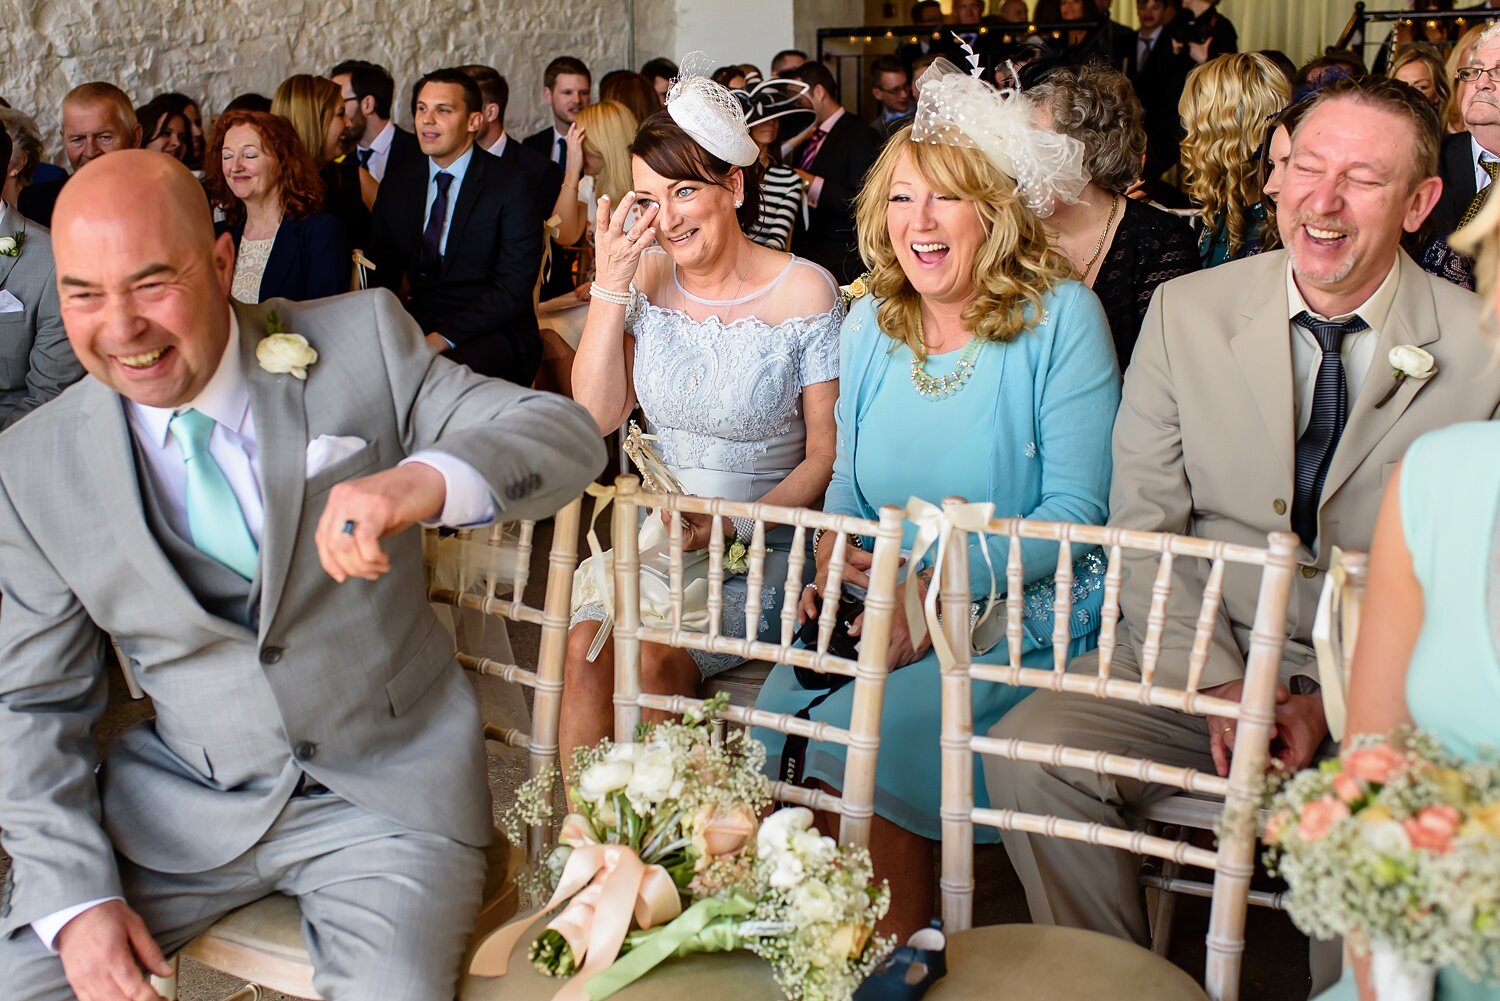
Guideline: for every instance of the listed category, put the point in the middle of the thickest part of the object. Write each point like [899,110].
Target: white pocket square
[326,449]
[9,303]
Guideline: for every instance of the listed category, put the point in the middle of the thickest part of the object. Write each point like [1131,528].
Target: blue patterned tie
[1330,412]
[432,236]
[215,520]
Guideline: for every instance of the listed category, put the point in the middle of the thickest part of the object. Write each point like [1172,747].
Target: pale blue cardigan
[1048,446]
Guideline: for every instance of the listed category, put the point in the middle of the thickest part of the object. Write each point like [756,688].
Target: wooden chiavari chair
[741,976]
[261,943]
[1042,962]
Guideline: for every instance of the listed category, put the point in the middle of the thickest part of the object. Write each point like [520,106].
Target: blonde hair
[1013,268]
[1453,112]
[1225,108]
[609,128]
[309,103]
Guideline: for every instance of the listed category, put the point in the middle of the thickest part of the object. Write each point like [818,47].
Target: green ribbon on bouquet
[710,925]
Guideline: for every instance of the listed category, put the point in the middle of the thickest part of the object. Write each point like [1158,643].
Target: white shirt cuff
[47,928]
[468,501]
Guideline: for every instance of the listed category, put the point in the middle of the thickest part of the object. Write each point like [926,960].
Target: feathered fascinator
[959,109]
[709,113]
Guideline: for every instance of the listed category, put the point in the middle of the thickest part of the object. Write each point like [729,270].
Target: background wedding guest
[265,184]
[1201,33]
[1226,107]
[598,164]
[249,101]
[318,112]
[1470,160]
[633,90]
[1296,343]
[1157,73]
[890,86]
[165,129]
[494,92]
[189,109]
[783,62]
[1119,247]
[368,92]
[832,160]
[927,14]
[1421,67]
[1458,55]
[783,197]
[566,86]
[97,118]
[36,361]
[25,156]
[975,368]
[461,232]
[660,72]
[708,301]
[729,77]
[1276,152]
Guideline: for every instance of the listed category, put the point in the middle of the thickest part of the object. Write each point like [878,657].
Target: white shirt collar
[383,139]
[499,147]
[1153,36]
[226,398]
[828,122]
[1374,310]
[457,168]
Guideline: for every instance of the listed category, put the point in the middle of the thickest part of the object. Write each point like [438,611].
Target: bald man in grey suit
[241,523]
[36,362]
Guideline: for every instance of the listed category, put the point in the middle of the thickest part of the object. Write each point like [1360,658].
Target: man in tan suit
[1236,423]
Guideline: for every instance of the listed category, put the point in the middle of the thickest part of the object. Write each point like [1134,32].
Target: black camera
[840,644]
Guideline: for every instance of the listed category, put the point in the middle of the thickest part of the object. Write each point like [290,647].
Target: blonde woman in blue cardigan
[976,367]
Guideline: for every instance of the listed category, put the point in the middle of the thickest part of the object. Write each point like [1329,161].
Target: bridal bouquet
[1396,846]
[810,911]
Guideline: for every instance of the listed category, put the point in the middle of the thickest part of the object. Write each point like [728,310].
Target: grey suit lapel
[104,438]
[277,403]
[1263,348]
[1412,320]
[11,222]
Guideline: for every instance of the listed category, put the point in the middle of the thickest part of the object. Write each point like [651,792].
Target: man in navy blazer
[494,92]
[461,233]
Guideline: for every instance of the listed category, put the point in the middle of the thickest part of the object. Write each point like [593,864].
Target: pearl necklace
[934,387]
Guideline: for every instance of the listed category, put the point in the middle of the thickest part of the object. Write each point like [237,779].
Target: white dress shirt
[458,168]
[1144,45]
[499,148]
[1357,350]
[380,158]
[555,154]
[1480,154]
[232,444]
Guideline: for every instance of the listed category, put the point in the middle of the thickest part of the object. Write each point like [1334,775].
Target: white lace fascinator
[961,110]
[709,113]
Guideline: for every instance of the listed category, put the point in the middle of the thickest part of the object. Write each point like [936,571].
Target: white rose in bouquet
[813,902]
[604,778]
[653,779]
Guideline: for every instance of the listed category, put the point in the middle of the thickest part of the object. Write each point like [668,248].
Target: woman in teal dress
[977,367]
[1429,639]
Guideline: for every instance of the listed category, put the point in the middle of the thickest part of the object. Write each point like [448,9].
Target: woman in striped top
[783,197]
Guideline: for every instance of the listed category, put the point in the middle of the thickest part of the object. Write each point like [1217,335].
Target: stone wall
[214,49]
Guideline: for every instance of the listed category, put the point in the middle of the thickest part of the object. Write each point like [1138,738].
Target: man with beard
[371,136]
[1259,399]
[566,86]
[1469,160]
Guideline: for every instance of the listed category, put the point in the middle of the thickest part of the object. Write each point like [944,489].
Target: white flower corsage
[10,246]
[1407,362]
[282,353]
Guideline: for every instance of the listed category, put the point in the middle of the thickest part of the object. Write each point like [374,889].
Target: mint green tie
[215,520]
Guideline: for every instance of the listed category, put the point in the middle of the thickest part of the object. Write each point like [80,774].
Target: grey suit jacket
[36,361]
[1205,440]
[353,683]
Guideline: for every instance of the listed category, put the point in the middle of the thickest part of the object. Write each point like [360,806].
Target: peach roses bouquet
[1395,845]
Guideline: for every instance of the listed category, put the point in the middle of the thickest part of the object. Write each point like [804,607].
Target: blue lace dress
[720,383]
[1030,432]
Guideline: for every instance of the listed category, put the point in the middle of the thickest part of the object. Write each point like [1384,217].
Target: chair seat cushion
[722,976]
[1042,962]
[742,683]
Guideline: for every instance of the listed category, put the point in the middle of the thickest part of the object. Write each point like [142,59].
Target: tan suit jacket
[1205,440]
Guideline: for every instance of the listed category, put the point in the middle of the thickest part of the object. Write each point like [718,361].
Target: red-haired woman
[261,177]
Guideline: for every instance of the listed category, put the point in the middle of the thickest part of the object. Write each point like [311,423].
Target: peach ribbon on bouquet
[608,884]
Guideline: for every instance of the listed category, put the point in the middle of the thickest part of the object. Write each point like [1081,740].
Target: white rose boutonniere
[282,353]
[1407,362]
[10,246]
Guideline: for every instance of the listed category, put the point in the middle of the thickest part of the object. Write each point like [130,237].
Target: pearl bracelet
[615,296]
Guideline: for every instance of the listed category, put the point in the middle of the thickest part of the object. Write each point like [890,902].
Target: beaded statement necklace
[935,387]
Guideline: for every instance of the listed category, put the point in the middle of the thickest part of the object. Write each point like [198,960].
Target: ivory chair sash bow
[972,963]
[262,942]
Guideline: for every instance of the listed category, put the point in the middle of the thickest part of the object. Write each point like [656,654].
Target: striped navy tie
[1330,412]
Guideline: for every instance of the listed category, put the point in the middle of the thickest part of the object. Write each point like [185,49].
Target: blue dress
[1450,506]
[1030,432]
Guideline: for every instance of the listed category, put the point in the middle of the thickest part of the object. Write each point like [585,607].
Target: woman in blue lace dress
[729,348]
[976,368]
